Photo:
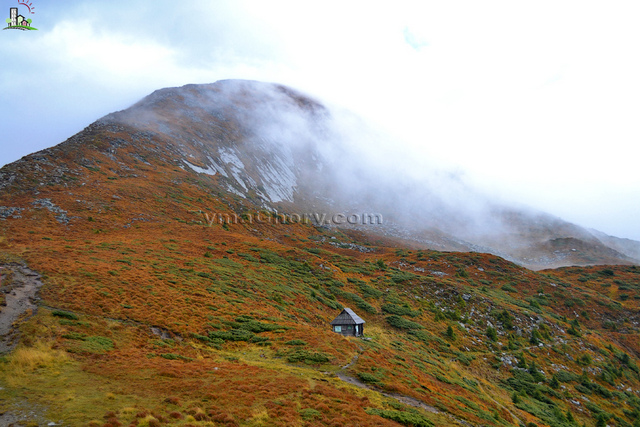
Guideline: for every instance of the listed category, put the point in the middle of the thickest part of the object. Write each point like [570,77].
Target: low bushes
[402,323]
[399,310]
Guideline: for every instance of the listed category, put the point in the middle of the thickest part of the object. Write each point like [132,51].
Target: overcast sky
[535,102]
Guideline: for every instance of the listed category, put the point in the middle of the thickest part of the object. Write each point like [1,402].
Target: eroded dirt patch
[25,413]
[20,287]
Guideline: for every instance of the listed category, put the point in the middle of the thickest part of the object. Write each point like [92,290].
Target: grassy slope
[471,334]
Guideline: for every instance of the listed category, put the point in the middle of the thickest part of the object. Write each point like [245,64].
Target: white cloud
[104,56]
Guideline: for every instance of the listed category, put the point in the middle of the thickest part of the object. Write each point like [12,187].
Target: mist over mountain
[181,262]
[278,149]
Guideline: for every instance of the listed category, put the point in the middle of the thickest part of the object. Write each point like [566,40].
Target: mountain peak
[272,147]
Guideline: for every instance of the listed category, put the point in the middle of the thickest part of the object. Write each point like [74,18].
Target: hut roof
[347,317]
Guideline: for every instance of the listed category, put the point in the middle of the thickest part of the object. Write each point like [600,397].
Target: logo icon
[19,22]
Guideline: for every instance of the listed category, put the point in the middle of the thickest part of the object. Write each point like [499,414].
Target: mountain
[172,264]
[280,150]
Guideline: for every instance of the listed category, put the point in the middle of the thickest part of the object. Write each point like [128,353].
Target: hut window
[337,328]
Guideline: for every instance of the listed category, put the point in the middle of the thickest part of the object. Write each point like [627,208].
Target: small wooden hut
[348,323]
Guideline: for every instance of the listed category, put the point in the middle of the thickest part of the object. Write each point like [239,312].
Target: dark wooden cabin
[348,323]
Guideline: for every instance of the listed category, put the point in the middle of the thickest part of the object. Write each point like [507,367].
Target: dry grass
[379,334]
[26,360]
[156,273]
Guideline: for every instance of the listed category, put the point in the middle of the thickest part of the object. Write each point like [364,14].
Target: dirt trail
[20,286]
[20,295]
[399,397]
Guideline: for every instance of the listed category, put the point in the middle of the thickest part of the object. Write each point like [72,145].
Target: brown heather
[132,258]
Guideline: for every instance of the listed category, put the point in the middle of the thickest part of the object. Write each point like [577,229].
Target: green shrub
[423,336]
[465,359]
[260,340]
[65,314]
[330,302]
[402,323]
[584,360]
[248,257]
[450,333]
[173,356]
[74,336]
[535,337]
[170,356]
[200,337]
[566,376]
[448,314]
[399,310]
[296,342]
[68,322]
[368,291]
[506,319]
[401,277]
[573,331]
[232,335]
[407,418]
[256,326]
[310,358]
[360,303]
[461,272]
[492,334]
[309,414]
[508,288]
[368,378]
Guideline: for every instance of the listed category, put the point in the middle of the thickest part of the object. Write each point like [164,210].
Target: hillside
[151,313]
